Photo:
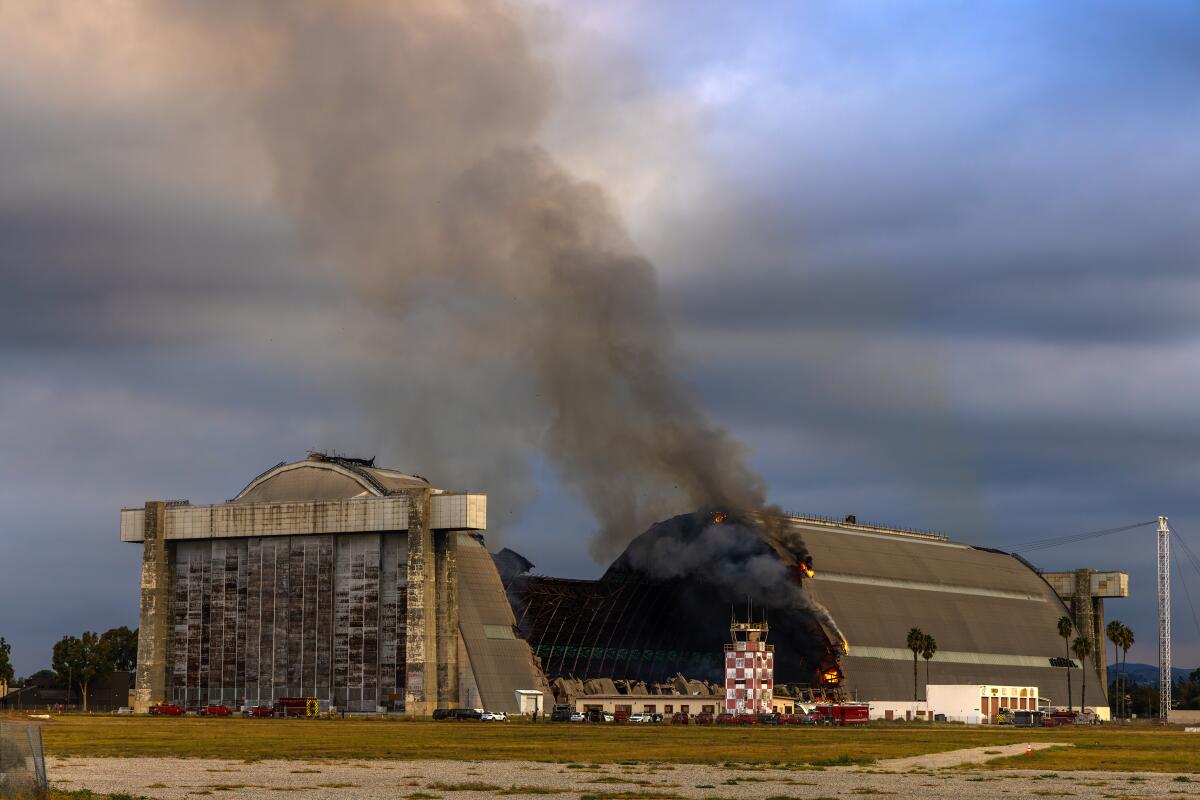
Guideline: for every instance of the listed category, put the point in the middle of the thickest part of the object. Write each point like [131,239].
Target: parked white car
[494,716]
[578,716]
[640,718]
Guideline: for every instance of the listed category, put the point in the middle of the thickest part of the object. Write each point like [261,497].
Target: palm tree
[916,643]
[928,648]
[1082,648]
[1127,642]
[1065,626]
[1113,632]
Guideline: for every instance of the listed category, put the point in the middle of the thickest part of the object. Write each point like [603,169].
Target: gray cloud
[942,269]
[943,279]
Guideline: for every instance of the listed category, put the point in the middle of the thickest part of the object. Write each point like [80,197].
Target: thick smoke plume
[402,142]
[741,557]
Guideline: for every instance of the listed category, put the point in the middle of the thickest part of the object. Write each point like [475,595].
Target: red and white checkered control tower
[749,669]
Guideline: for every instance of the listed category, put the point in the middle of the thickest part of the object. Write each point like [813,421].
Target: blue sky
[935,264]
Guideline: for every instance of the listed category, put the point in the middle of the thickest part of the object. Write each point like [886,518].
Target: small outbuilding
[529,702]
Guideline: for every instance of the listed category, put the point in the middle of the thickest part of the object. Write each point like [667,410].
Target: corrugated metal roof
[993,617]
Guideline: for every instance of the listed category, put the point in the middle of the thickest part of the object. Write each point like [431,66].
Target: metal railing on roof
[918,533]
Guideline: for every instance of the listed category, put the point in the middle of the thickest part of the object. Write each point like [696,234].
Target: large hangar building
[993,614]
[366,588]
[373,591]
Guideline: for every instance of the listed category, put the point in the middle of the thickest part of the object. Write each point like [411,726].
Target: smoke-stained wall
[260,618]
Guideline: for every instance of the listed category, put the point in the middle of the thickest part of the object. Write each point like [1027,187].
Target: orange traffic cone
[1029,749]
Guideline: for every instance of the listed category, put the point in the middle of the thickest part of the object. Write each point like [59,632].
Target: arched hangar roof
[993,616]
[321,478]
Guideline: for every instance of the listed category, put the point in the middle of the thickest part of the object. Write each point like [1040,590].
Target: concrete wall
[896,710]
[235,520]
[154,639]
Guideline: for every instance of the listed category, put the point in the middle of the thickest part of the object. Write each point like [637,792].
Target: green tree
[122,645]
[1065,627]
[1113,632]
[1082,648]
[81,660]
[6,670]
[916,641]
[928,648]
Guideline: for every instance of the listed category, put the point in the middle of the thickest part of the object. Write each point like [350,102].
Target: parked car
[726,719]
[215,710]
[256,711]
[680,718]
[494,716]
[561,713]
[166,710]
[619,716]
[124,710]
[607,717]
[639,718]
[578,716]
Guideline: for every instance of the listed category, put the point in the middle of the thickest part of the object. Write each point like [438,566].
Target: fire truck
[296,707]
[844,713]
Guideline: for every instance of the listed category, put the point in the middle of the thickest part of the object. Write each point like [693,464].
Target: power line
[1195,562]
[1058,541]
[1187,594]
[1187,550]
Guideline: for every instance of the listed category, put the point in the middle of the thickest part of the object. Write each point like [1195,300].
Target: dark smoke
[402,141]
[742,557]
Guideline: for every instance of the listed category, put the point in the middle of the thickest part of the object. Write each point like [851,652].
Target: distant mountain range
[1148,673]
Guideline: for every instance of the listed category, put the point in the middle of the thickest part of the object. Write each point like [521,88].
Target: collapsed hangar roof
[322,477]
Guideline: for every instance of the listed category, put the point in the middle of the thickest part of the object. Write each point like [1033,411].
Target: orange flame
[719,517]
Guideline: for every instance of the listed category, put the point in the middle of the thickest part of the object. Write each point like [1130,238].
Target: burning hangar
[863,587]
[374,592]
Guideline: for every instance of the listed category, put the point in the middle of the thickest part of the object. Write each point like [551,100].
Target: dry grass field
[1095,748]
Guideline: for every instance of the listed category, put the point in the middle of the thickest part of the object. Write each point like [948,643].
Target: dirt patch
[955,758]
[182,779]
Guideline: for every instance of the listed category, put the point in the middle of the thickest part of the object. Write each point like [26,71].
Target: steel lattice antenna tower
[1164,619]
